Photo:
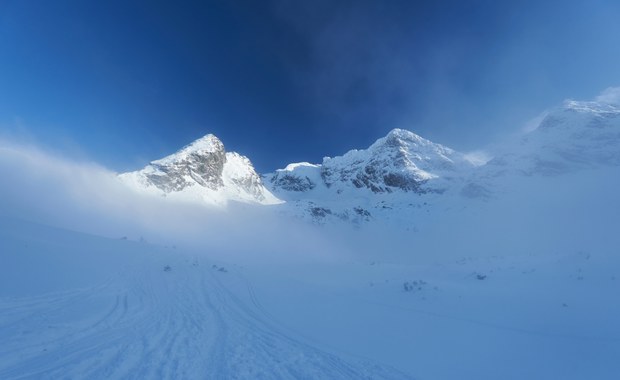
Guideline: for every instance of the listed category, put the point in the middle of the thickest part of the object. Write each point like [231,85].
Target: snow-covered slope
[76,306]
[534,269]
[202,171]
[578,135]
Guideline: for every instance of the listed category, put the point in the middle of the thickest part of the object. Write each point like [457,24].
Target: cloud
[534,122]
[50,189]
[610,95]
[478,157]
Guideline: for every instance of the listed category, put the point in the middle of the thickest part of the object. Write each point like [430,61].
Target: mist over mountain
[325,189]
[394,177]
[405,259]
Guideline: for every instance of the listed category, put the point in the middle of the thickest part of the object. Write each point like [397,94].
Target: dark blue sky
[125,82]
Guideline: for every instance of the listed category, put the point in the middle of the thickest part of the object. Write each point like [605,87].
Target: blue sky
[125,82]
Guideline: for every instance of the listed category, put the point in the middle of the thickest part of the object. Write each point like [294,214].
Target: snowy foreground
[78,306]
[524,292]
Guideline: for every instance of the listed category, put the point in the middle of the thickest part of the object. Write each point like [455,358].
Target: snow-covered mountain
[398,170]
[401,164]
[403,175]
[398,177]
[400,161]
[202,171]
[578,135]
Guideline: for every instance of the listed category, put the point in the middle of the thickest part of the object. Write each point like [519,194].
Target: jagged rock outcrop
[354,187]
[204,171]
[400,161]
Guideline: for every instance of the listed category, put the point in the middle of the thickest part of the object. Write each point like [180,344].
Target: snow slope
[522,286]
[512,287]
[80,306]
[576,136]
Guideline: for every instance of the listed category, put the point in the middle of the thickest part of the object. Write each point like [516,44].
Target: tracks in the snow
[150,323]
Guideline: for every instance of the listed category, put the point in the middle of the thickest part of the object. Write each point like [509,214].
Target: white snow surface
[93,308]
[298,165]
[522,286]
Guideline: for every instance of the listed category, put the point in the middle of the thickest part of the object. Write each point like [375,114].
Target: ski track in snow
[139,325]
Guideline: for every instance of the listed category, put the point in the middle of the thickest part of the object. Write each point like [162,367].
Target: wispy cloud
[478,157]
[610,95]
[83,196]
[534,122]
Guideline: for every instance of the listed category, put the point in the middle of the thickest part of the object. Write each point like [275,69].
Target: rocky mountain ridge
[401,171]
[202,171]
[400,161]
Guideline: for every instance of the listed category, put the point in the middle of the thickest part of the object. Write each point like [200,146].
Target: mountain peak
[204,171]
[404,134]
[208,142]
[206,145]
[592,107]
[400,160]
[576,135]
[402,139]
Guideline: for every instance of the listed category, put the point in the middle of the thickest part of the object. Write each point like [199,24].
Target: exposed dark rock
[203,167]
[320,212]
[292,183]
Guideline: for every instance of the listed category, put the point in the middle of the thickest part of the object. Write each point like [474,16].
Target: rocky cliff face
[361,184]
[201,162]
[295,178]
[204,171]
[401,161]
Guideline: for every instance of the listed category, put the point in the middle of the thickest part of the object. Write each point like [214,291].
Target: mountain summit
[577,135]
[393,173]
[202,171]
[401,161]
